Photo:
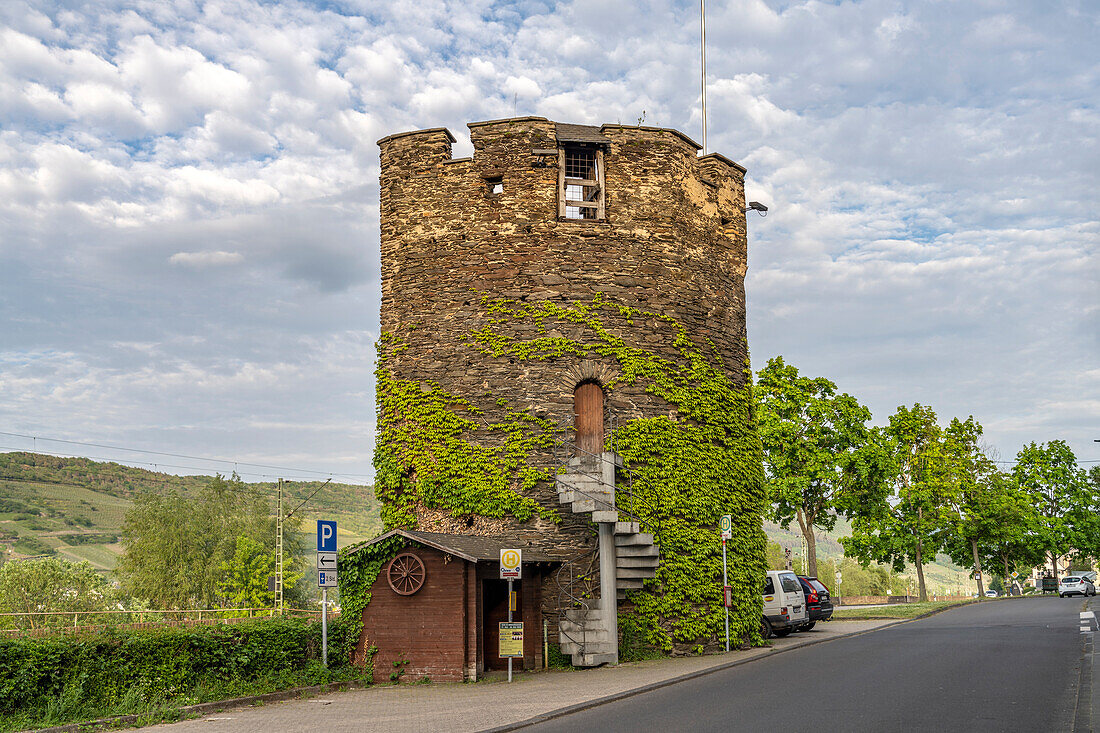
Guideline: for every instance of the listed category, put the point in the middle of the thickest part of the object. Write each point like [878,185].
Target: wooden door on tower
[588,418]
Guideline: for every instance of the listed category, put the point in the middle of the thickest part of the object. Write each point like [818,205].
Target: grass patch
[154,706]
[897,610]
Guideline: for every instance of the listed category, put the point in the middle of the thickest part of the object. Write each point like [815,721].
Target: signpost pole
[509,621]
[326,575]
[724,584]
[725,527]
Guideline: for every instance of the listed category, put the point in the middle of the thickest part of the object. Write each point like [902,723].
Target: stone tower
[567,296]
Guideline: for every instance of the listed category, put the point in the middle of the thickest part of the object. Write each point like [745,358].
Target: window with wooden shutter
[580,179]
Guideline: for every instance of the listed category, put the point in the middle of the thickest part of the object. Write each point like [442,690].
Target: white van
[784,604]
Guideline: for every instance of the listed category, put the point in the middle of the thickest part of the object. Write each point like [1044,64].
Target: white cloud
[215,258]
[201,179]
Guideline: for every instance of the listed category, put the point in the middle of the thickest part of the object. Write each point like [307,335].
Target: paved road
[1011,665]
[466,708]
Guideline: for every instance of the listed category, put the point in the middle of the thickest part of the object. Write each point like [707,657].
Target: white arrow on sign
[326,560]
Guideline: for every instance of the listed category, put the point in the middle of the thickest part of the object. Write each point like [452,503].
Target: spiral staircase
[627,557]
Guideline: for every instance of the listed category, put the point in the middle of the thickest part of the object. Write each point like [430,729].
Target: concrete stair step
[648,561]
[630,573]
[630,583]
[579,478]
[583,615]
[584,636]
[637,551]
[592,660]
[595,647]
[626,528]
[640,538]
[581,506]
[605,516]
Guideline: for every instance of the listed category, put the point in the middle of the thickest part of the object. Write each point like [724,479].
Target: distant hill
[74,507]
[942,574]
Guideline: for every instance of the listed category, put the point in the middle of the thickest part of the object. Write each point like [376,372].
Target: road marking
[1088,614]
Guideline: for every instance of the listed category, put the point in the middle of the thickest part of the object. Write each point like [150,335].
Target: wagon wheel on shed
[406,574]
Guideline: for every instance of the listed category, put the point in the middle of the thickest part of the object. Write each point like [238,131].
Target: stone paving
[485,705]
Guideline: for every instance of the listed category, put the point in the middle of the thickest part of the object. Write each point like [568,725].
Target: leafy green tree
[244,576]
[177,547]
[1013,545]
[818,453]
[50,585]
[857,580]
[904,528]
[971,495]
[1065,503]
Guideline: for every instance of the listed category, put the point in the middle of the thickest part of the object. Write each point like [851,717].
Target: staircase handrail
[569,593]
[563,467]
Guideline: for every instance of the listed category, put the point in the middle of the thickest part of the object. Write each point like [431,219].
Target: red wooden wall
[427,628]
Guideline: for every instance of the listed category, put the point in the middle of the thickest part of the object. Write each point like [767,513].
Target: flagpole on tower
[703,49]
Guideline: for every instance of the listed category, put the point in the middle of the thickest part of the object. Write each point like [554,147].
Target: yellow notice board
[511,639]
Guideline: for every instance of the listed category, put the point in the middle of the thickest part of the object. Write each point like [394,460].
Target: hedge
[163,664]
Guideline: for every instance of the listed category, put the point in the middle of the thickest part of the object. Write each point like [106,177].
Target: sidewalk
[487,704]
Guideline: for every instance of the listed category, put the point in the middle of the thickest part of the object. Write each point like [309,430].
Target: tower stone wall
[672,243]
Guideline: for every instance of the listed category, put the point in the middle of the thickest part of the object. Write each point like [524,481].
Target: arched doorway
[588,418]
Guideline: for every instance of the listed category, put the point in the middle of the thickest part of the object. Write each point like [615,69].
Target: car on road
[991,594]
[819,607]
[1075,585]
[784,604]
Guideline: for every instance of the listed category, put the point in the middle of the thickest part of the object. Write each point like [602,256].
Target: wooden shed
[435,607]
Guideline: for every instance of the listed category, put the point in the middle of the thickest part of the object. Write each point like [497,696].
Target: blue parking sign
[326,536]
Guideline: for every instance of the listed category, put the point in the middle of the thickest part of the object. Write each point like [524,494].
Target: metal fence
[44,623]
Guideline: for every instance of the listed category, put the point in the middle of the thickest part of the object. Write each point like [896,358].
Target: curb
[561,712]
[204,708]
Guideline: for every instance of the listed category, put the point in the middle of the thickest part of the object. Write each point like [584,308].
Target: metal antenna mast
[703,49]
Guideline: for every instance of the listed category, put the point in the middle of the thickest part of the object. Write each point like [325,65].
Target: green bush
[105,671]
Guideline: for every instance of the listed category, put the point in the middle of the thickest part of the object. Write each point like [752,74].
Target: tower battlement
[655,226]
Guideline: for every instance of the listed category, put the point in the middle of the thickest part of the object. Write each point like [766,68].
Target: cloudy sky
[189,202]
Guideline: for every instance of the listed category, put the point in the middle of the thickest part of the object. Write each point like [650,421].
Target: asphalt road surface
[1011,665]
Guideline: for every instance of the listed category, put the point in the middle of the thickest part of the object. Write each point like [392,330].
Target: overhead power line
[156,466]
[179,455]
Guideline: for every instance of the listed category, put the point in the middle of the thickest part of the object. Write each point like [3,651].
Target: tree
[244,576]
[1013,546]
[903,528]
[50,585]
[986,519]
[177,547]
[818,454]
[1065,503]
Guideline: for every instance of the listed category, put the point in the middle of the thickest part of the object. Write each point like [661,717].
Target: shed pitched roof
[470,547]
[567,133]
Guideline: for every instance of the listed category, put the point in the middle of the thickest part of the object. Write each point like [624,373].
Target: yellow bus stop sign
[511,564]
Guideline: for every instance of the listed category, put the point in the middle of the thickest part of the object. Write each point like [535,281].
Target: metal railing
[575,590]
[593,469]
[575,577]
[59,621]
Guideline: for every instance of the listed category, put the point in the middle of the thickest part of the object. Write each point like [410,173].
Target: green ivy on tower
[688,469]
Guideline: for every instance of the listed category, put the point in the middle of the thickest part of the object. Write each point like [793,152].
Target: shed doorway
[495,595]
[588,418]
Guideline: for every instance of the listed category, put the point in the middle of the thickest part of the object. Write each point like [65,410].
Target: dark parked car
[818,604]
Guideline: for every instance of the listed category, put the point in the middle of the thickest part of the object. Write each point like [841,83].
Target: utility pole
[279,552]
